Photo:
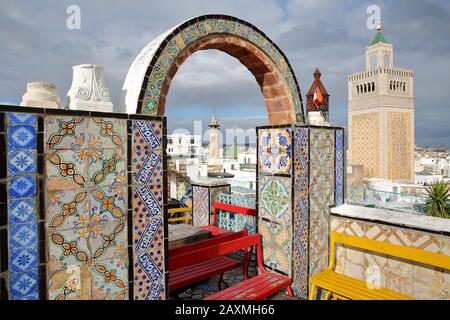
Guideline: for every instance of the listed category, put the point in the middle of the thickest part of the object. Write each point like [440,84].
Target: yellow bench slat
[412,254]
[179,210]
[353,288]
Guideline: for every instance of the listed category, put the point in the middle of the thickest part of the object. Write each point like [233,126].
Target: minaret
[381,115]
[312,101]
[213,140]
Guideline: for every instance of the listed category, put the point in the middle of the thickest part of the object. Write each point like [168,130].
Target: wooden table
[181,234]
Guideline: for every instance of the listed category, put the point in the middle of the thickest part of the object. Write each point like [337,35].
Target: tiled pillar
[296,186]
[22,206]
[204,194]
[86,192]
[149,191]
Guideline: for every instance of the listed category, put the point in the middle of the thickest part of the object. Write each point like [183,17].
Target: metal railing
[389,200]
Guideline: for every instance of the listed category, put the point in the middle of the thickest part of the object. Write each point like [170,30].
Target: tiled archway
[148,80]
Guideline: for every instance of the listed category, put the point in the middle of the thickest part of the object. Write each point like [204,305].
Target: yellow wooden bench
[179,210]
[347,288]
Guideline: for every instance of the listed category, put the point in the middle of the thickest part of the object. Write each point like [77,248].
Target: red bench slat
[190,274]
[255,288]
[206,243]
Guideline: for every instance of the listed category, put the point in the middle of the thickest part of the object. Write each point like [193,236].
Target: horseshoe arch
[148,80]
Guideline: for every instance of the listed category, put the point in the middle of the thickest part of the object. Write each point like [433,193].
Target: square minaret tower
[381,115]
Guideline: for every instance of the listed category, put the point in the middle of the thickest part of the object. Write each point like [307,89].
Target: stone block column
[300,175]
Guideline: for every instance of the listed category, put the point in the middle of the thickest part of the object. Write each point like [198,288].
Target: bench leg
[222,281]
[311,292]
[327,295]
[289,291]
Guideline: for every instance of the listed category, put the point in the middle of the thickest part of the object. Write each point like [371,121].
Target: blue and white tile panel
[22,209]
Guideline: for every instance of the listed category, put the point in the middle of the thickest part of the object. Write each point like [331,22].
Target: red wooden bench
[226,207]
[259,287]
[181,275]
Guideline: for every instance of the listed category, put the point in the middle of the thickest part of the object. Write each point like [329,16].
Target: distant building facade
[183,145]
[381,115]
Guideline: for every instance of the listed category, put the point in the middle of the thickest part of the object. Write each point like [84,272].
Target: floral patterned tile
[66,169]
[23,259]
[110,279]
[73,283]
[21,161]
[23,235]
[106,167]
[67,209]
[21,119]
[21,211]
[67,133]
[275,151]
[22,137]
[108,240]
[104,133]
[68,248]
[22,187]
[275,199]
[24,286]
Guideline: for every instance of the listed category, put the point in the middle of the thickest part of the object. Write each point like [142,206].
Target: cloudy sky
[329,34]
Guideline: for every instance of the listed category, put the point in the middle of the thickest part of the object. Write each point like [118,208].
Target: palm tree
[438,201]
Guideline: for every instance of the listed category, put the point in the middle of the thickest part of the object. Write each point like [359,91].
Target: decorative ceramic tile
[275,199]
[66,169]
[21,161]
[107,133]
[22,187]
[68,209]
[147,200]
[23,235]
[339,167]
[301,214]
[21,119]
[24,286]
[147,166]
[108,240]
[215,193]
[236,200]
[62,132]
[148,235]
[277,246]
[148,278]
[275,151]
[73,283]
[322,138]
[106,167]
[68,248]
[23,259]
[21,211]
[200,210]
[22,137]
[110,280]
[147,135]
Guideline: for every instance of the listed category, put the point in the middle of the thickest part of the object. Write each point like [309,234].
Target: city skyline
[213,79]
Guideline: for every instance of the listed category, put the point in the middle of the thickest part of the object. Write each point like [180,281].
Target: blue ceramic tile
[23,259]
[21,118]
[22,187]
[22,235]
[21,161]
[24,286]
[21,211]
[22,137]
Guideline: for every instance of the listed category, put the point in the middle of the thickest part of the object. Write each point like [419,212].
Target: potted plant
[438,199]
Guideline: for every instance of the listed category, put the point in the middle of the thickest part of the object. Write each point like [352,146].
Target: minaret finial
[379,26]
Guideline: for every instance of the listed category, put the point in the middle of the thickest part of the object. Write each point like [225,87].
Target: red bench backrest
[218,250]
[231,208]
[207,243]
